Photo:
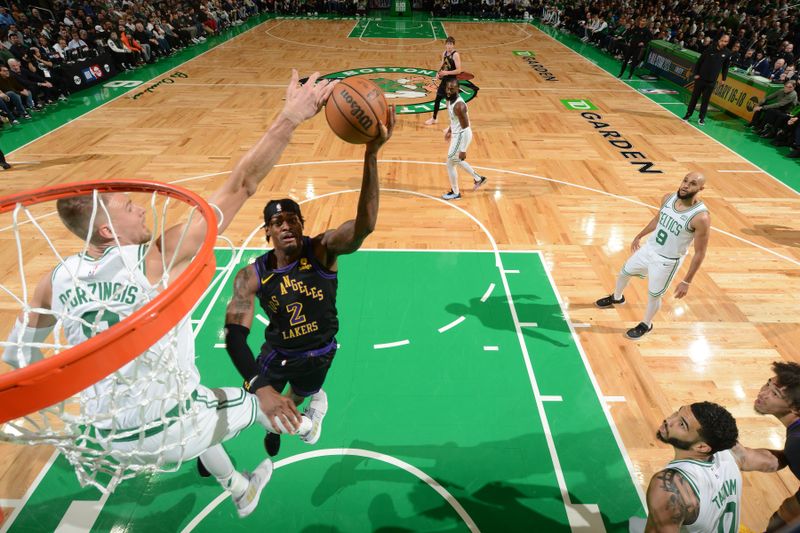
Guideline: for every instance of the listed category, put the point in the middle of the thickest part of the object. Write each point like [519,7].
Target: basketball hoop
[58,377]
[40,402]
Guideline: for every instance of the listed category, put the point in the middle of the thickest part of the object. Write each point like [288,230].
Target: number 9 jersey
[672,235]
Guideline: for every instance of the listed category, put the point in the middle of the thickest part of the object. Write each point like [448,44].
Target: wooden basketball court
[557,186]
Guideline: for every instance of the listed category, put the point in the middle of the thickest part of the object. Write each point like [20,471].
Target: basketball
[355,109]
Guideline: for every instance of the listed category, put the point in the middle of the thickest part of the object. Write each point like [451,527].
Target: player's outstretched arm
[348,237]
[758,459]
[302,103]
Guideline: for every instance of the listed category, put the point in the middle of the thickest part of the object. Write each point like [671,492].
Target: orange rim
[60,376]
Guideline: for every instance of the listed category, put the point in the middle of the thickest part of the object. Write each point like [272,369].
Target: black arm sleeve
[240,352]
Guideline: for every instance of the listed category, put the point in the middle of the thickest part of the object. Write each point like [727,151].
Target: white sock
[217,462]
[452,175]
[622,282]
[466,166]
[653,305]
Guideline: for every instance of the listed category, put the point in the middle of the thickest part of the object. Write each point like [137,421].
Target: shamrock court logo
[410,89]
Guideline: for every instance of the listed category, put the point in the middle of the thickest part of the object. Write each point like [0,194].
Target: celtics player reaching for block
[133,408]
[460,136]
[295,283]
[683,218]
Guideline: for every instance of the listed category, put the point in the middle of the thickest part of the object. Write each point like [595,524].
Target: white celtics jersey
[109,289]
[455,124]
[718,486]
[672,235]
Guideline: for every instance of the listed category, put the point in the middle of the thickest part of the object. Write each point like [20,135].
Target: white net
[143,417]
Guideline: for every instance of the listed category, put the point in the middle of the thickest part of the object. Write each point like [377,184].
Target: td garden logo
[411,90]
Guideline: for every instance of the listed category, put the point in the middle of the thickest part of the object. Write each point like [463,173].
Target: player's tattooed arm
[240,308]
[671,501]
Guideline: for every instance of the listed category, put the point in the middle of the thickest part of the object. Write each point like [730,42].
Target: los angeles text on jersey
[624,146]
[102,291]
[290,284]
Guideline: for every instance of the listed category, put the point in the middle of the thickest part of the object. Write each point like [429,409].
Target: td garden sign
[411,90]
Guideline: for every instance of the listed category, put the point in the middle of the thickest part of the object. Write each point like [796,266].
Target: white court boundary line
[353,452]
[593,379]
[631,89]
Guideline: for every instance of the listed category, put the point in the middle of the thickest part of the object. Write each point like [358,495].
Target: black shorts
[304,374]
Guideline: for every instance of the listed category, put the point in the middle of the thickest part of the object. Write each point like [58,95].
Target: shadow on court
[494,314]
[507,494]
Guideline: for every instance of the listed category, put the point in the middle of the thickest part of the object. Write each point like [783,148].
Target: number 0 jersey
[718,487]
[672,235]
[300,301]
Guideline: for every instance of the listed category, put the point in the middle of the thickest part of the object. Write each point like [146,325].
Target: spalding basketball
[354,109]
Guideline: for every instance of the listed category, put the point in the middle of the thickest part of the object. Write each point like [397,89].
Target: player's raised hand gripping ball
[355,109]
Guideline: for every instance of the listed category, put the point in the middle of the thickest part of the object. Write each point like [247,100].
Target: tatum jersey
[672,235]
[109,289]
[718,487]
[455,124]
[300,300]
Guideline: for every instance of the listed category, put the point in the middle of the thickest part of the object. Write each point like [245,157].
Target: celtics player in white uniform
[118,273]
[700,491]
[460,136]
[683,218]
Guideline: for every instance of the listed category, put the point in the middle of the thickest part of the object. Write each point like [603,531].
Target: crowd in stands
[37,43]
[764,39]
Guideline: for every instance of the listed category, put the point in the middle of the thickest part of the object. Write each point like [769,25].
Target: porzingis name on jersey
[104,291]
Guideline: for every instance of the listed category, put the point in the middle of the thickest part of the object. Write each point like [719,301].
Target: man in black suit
[712,61]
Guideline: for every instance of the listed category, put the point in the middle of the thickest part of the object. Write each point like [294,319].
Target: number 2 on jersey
[296,309]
